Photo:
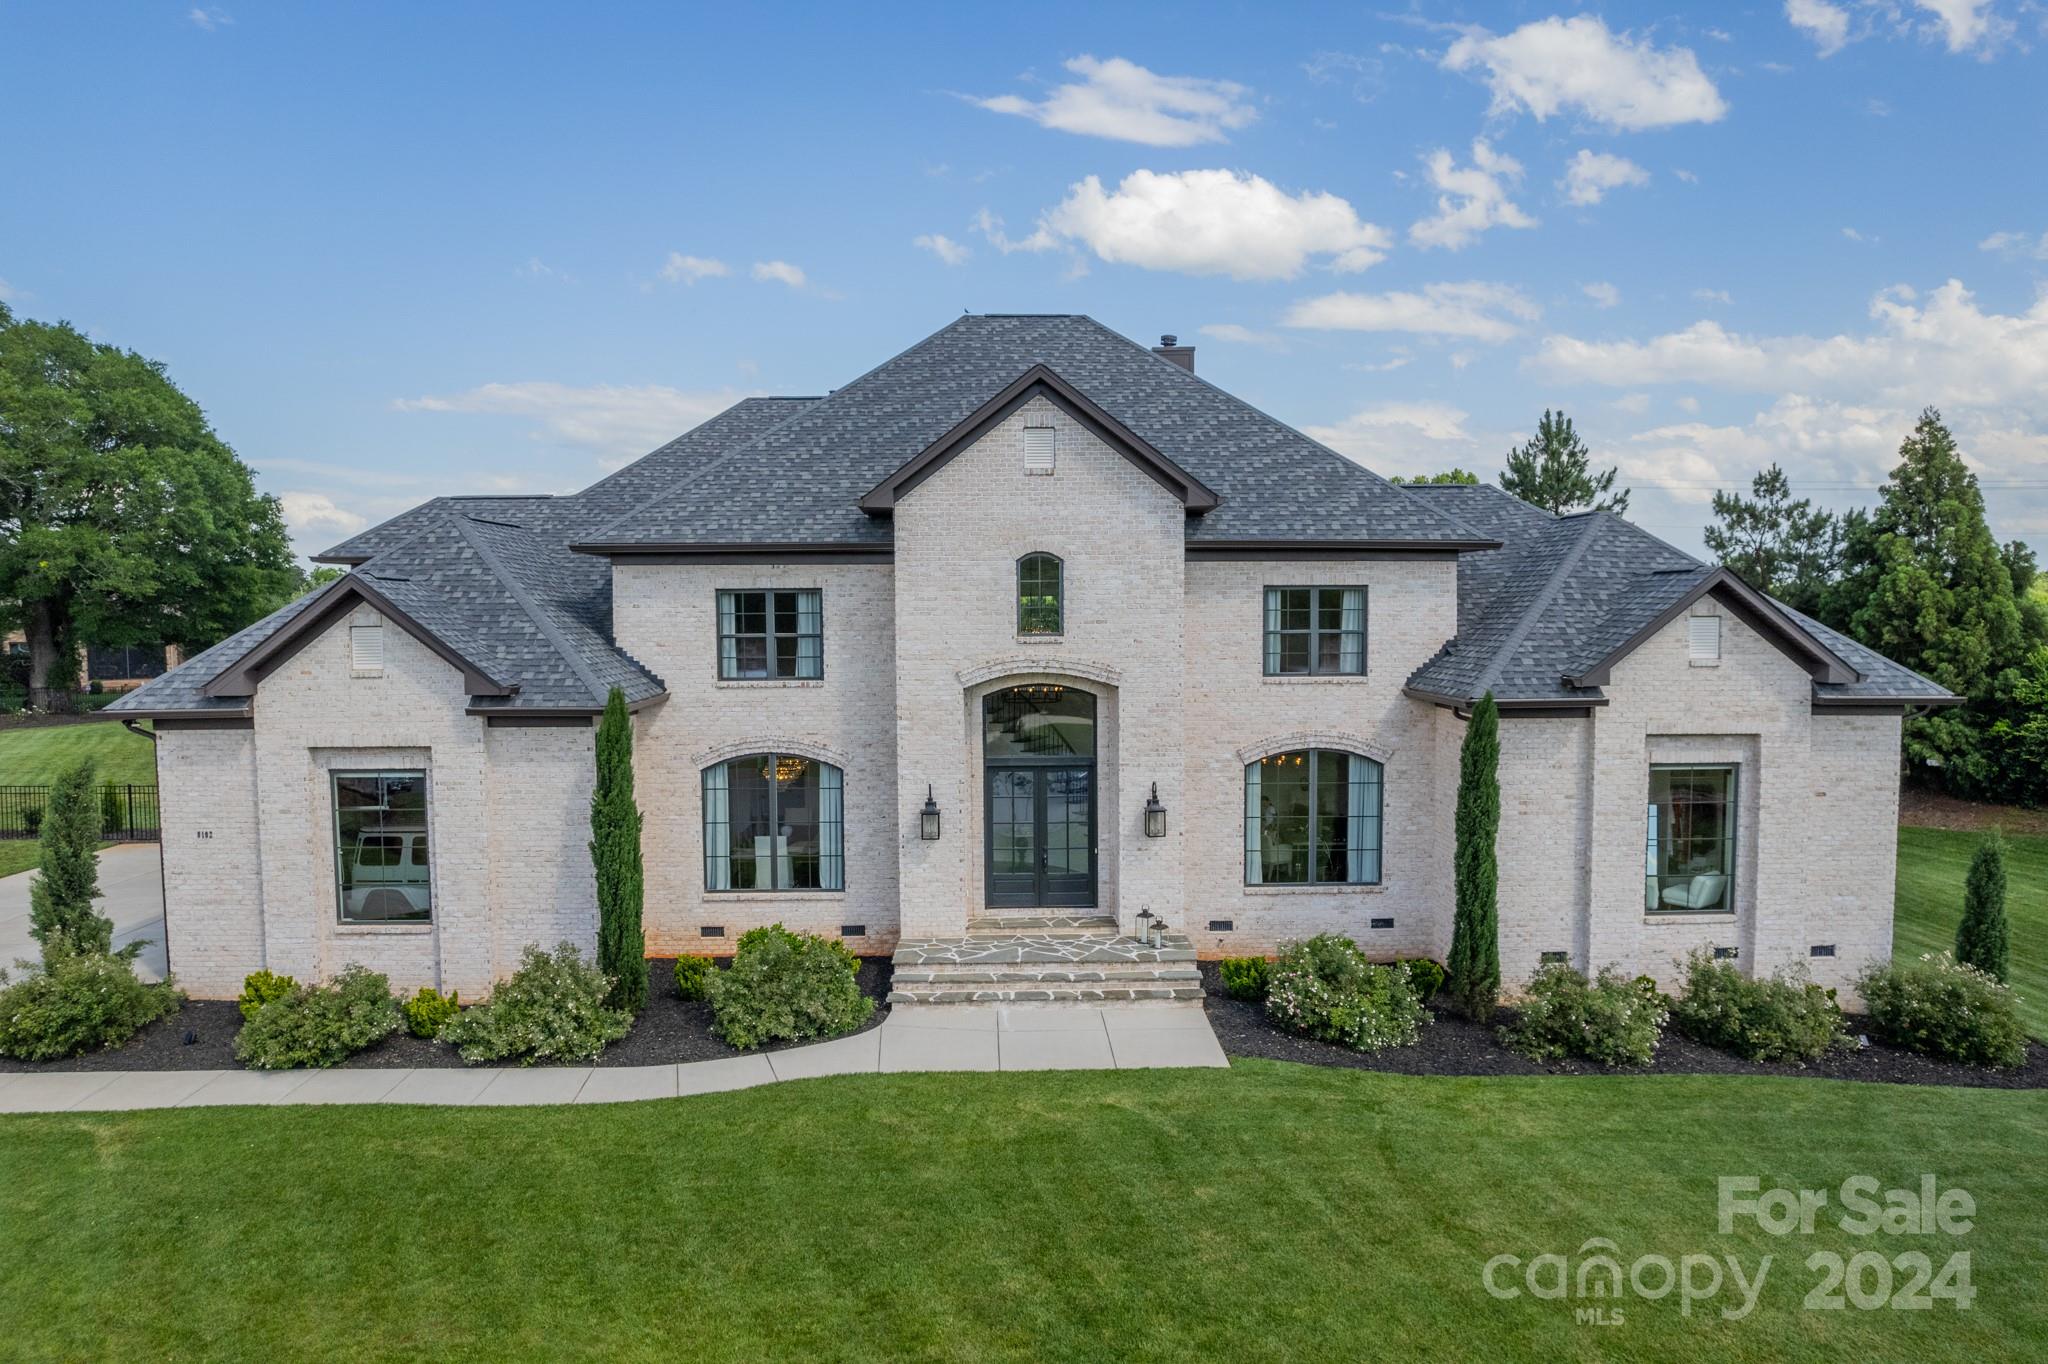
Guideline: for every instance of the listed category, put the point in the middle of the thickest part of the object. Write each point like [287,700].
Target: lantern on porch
[1155,815]
[928,818]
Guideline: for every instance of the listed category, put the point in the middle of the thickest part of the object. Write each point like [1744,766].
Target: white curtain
[1362,820]
[1354,630]
[1254,857]
[1272,630]
[717,830]
[810,643]
[831,827]
[728,647]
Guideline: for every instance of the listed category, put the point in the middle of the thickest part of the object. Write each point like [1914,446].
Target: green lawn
[1932,865]
[17,855]
[1268,1212]
[34,755]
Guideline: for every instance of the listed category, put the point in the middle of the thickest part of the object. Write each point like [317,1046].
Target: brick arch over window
[1317,738]
[769,743]
[1040,665]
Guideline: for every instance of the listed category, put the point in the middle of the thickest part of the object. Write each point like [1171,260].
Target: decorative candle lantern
[928,818]
[1155,815]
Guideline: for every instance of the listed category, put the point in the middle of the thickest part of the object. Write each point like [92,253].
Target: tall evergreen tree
[1982,939]
[615,856]
[60,912]
[1553,470]
[1777,545]
[1472,975]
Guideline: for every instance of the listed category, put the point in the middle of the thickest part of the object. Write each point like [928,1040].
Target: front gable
[336,604]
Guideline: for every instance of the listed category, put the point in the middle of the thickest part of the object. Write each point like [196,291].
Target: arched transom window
[774,821]
[1312,817]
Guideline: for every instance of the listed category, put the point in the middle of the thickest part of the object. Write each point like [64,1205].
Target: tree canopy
[1777,545]
[124,519]
[1553,470]
[1458,476]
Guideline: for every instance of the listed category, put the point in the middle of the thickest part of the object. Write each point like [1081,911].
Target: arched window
[1312,817]
[1038,594]
[774,821]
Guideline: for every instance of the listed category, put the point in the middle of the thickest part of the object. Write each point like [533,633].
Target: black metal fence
[128,813]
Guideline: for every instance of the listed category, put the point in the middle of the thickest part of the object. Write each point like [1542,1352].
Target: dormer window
[1040,450]
[366,650]
[1039,591]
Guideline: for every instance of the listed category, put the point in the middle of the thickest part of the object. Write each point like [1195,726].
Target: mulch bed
[1453,1045]
[671,1029]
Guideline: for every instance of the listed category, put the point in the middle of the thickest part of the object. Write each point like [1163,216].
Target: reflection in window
[1044,720]
[1315,630]
[1312,817]
[1038,594]
[771,634]
[1690,865]
[774,821]
[380,847]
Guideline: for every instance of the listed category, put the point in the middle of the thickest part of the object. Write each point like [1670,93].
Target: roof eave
[1514,705]
[239,679]
[1821,662]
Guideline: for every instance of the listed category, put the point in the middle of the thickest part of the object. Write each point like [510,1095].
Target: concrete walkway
[911,1038]
[131,894]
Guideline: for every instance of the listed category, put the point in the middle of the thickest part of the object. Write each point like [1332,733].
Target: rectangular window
[1315,630]
[770,635]
[1312,818]
[380,847]
[1039,449]
[1690,860]
[774,821]
[1703,638]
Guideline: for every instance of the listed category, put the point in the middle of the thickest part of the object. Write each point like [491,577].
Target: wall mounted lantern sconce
[928,818]
[1155,815]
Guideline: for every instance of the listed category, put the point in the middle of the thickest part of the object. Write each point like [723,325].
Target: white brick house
[1038,579]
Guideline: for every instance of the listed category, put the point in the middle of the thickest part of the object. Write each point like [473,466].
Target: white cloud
[306,512]
[1391,437]
[1364,76]
[1208,222]
[610,418]
[1688,403]
[536,268]
[1815,441]
[1558,65]
[1590,174]
[1967,24]
[942,246]
[1634,403]
[2012,245]
[682,269]
[779,271]
[208,18]
[1603,294]
[991,227]
[8,293]
[1122,100]
[1241,335]
[1826,24]
[1473,198]
[1481,311]
[1687,176]
[1721,296]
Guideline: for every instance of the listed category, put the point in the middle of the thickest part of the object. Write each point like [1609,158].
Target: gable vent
[1038,449]
[1703,638]
[366,650]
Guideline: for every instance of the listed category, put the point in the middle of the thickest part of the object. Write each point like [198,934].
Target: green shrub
[1984,938]
[320,1025]
[784,987]
[1782,1017]
[693,976]
[1325,988]
[32,821]
[1246,977]
[77,1001]
[260,987]
[1944,1008]
[552,1009]
[427,1011]
[1428,975]
[1612,1019]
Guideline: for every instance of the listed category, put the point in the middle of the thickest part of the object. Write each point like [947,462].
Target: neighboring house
[115,668]
[1141,649]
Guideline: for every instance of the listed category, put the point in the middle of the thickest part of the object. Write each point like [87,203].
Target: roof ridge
[538,614]
[685,434]
[1553,585]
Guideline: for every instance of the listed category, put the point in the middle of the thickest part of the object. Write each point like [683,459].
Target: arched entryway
[1040,789]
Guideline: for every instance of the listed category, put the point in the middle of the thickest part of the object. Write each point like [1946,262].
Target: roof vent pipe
[1170,348]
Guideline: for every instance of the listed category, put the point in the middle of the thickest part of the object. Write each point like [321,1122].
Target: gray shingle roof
[1564,593]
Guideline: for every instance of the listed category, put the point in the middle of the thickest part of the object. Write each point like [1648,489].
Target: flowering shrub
[784,987]
[1611,1019]
[1246,978]
[1783,1017]
[429,1010]
[552,1009]
[320,1025]
[1942,1007]
[74,1002]
[1326,989]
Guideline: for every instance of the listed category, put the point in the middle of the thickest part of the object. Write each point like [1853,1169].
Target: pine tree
[60,914]
[1982,938]
[1473,972]
[1552,470]
[1777,545]
[615,856]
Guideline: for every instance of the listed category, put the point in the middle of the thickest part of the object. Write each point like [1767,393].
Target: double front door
[1041,835]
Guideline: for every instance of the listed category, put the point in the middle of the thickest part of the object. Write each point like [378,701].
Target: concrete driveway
[132,895]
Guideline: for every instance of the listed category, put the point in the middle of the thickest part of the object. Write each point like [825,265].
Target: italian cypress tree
[615,856]
[60,913]
[1473,972]
[1982,938]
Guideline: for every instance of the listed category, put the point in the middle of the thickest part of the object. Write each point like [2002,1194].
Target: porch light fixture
[928,818]
[1155,815]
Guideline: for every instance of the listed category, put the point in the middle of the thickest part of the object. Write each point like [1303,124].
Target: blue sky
[404,250]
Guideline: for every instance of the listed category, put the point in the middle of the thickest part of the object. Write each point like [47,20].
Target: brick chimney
[1170,348]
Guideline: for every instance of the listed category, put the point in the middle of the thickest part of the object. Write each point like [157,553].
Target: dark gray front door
[1041,835]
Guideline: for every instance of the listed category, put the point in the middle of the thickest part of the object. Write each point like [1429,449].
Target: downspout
[162,890]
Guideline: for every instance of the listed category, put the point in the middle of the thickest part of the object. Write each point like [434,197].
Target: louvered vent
[1703,638]
[1038,450]
[366,650]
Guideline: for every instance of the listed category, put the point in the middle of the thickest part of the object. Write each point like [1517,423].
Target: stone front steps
[1060,964]
[1043,926]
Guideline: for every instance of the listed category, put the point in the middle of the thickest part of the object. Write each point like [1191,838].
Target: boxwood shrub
[1246,978]
[692,975]
[1612,1018]
[429,1010]
[77,1001]
[320,1025]
[785,987]
[1325,988]
[551,1009]
[260,987]
[1780,1017]
[1942,1007]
